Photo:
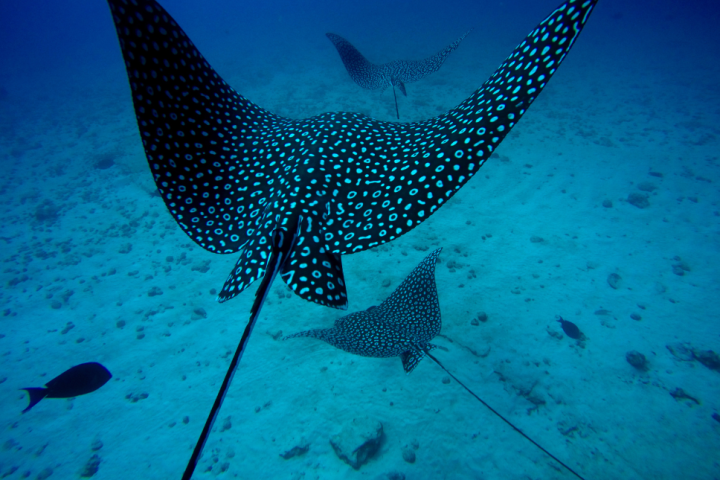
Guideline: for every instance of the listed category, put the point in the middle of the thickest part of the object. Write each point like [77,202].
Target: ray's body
[396,73]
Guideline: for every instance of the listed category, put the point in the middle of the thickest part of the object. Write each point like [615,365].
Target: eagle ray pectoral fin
[316,275]
[411,358]
[251,265]
[453,146]
[183,110]
[361,71]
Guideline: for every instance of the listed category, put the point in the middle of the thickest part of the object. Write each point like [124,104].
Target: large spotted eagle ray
[395,73]
[403,326]
[295,195]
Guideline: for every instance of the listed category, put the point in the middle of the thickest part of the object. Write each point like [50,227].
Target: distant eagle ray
[295,195]
[403,326]
[395,73]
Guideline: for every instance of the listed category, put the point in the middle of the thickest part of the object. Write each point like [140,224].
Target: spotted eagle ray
[396,73]
[295,195]
[403,326]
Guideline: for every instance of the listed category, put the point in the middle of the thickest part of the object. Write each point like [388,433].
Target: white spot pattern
[230,172]
[402,325]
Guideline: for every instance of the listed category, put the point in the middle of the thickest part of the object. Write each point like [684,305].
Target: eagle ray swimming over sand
[234,176]
[402,325]
[292,196]
[396,73]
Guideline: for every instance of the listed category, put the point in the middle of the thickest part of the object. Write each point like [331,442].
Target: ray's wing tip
[226,295]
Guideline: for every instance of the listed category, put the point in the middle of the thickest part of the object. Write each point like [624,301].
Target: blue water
[96,269]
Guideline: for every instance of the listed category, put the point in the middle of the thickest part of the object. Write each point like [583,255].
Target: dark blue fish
[78,380]
[402,326]
[395,73]
[570,329]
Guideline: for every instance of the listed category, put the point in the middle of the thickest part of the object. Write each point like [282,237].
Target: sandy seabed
[610,178]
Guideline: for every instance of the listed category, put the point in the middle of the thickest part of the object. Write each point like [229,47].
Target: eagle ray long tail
[397,112]
[503,418]
[277,258]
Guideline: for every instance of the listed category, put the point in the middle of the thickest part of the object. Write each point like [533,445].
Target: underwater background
[600,207]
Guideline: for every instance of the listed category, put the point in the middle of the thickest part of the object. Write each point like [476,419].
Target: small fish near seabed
[78,380]
[571,330]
